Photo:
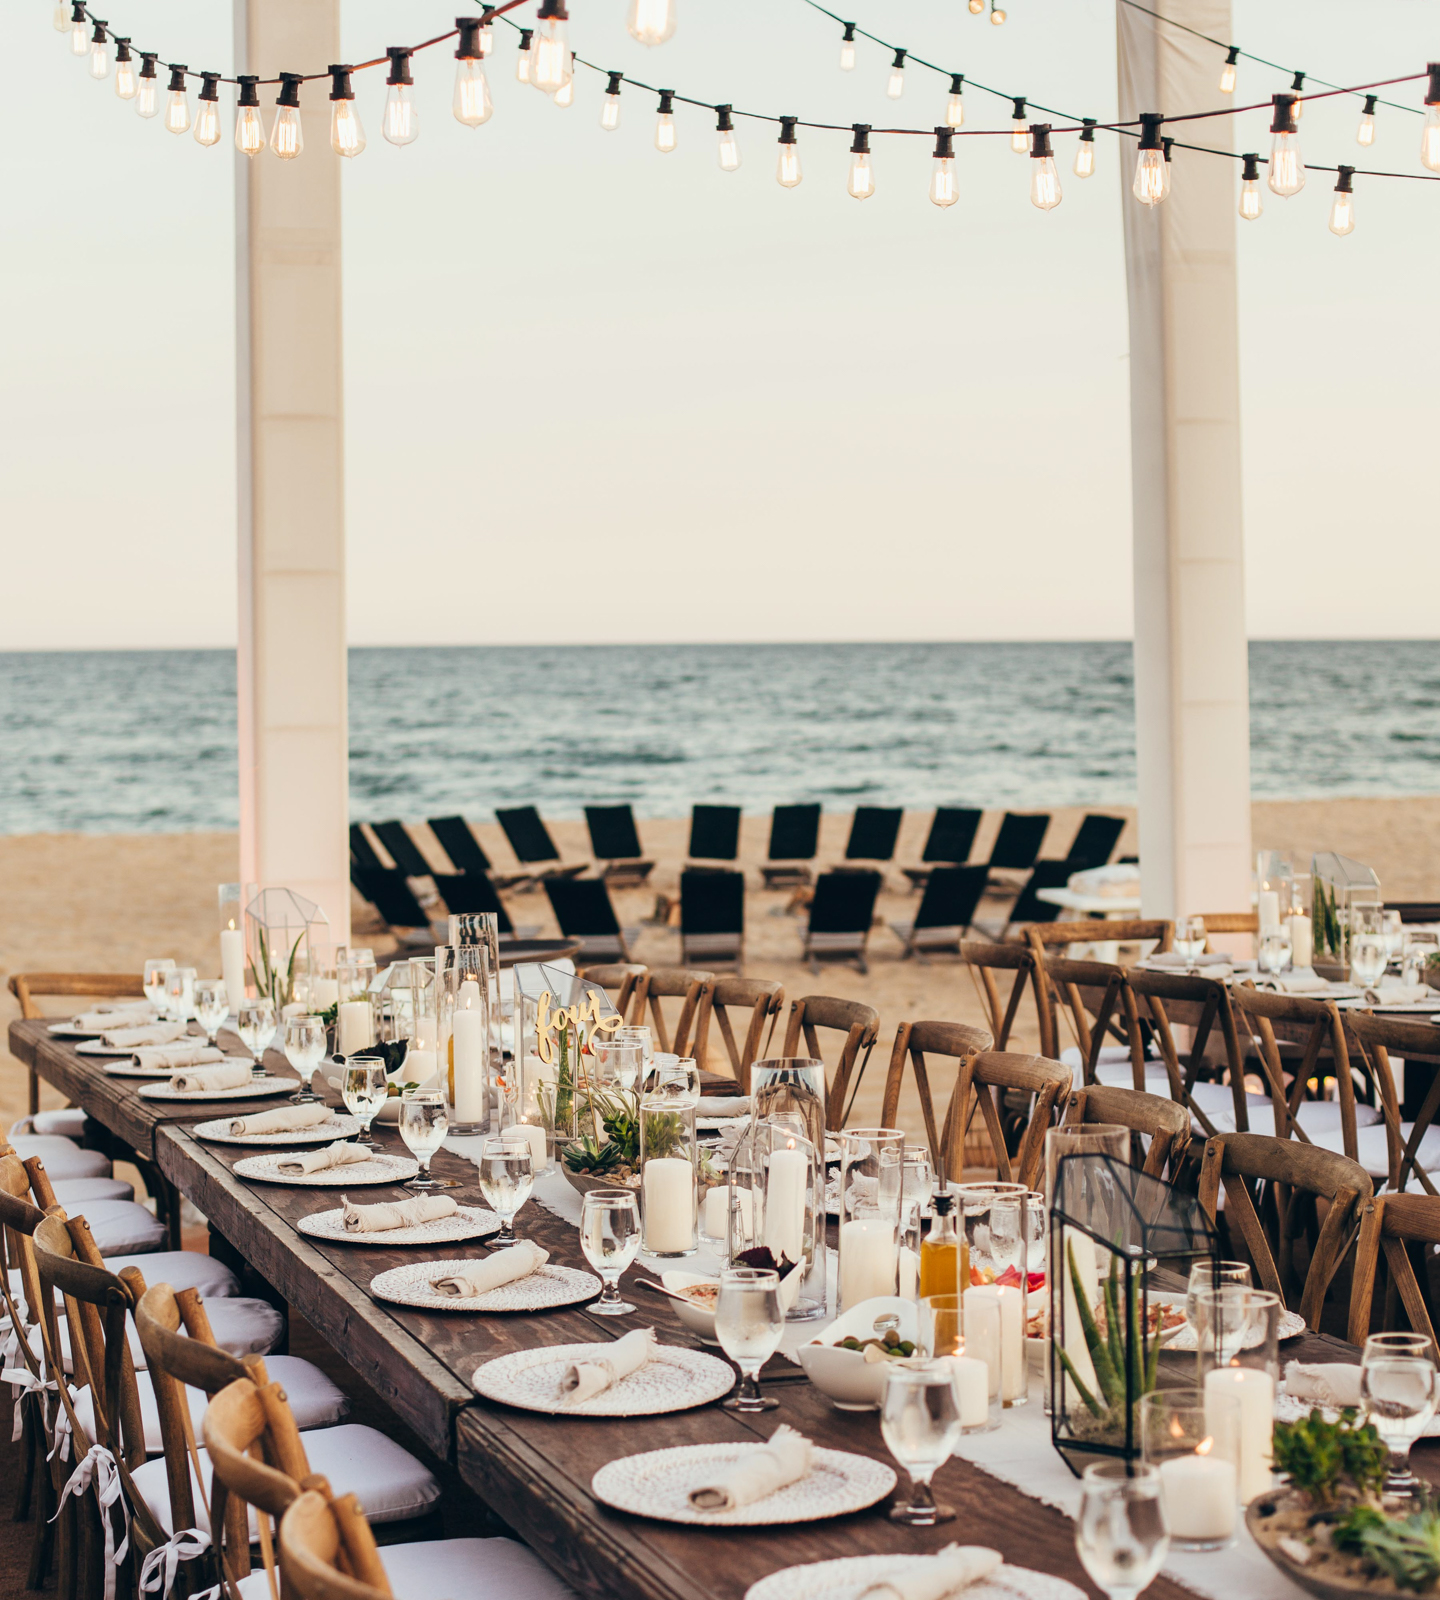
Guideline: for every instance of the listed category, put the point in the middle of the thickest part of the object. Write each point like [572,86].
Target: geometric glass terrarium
[1338,885]
[285,934]
[1121,1247]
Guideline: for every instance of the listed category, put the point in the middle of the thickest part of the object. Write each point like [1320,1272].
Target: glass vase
[669,1161]
[871,1178]
[1237,1333]
[462,1035]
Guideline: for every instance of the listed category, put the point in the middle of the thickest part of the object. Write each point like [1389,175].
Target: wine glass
[636,1035]
[610,1238]
[1274,954]
[507,1175]
[305,1050]
[1018,1226]
[1190,938]
[920,1423]
[153,982]
[424,1122]
[255,1023]
[212,1005]
[618,1063]
[1368,951]
[1212,1275]
[1398,1393]
[1121,1534]
[364,1089]
[749,1321]
[179,1001]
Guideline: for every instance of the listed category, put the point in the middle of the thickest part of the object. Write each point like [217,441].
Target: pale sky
[768,414]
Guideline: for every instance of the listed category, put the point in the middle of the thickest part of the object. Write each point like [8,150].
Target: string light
[177,104]
[610,103]
[99,53]
[895,87]
[1430,134]
[287,137]
[861,183]
[1287,170]
[401,123]
[1297,88]
[347,137]
[976,7]
[1019,128]
[60,17]
[549,48]
[471,101]
[1166,145]
[1227,72]
[997,18]
[1250,187]
[249,126]
[1044,180]
[1085,150]
[126,86]
[522,60]
[787,168]
[651,21]
[79,31]
[665,122]
[565,94]
[1342,208]
[1365,133]
[147,102]
[729,151]
[955,105]
[207,111]
[1149,185]
[943,189]
[847,48]
[487,30]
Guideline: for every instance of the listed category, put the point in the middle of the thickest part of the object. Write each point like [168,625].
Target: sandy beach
[103,903]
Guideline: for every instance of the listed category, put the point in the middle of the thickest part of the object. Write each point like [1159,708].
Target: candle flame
[1176,1431]
[1234,1361]
[1204,1447]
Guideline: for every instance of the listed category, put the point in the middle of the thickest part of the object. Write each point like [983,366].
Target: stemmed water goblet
[1274,953]
[305,1050]
[618,1063]
[749,1322]
[179,1001]
[507,1175]
[610,1238]
[1121,1534]
[1369,952]
[255,1023]
[424,1122]
[1189,938]
[364,1088]
[1212,1275]
[153,981]
[212,1005]
[1398,1393]
[920,1423]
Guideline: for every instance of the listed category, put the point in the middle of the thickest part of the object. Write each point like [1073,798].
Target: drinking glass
[1398,1393]
[749,1321]
[179,1001]
[618,1064]
[212,1005]
[1018,1225]
[156,972]
[255,1023]
[920,1423]
[1368,951]
[1193,1438]
[507,1175]
[1394,930]
[1274,953]
[610,1239]
[364,1089]
[917,1177]
[1190,938]
[424,1122]
[305,1050]
[1212,1275]
[1121,1534]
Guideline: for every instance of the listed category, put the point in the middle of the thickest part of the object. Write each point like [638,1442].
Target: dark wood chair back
[327,1550]
[625,983]
[1151,1116]
[1403,1228]
[984,1080]
[1378,1038]
[913,1042]
[813,1014]
[1099,1005]
[694,988]
[985,957]
[759,1002]
[1223,922]
[1104,930]
[1258,1012]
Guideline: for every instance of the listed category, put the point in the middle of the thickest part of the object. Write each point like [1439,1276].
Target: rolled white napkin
[138,1014]
[171,1057]
[505,1266]
[759,1472]
[207,1080]
[340,1154]
[723,1105]
[1392,992]
[955,1567]
[283,1120]
[127,1038]
[1323,1383]
[1173,958]
[592,1375]
[396,1213]
[1302,980]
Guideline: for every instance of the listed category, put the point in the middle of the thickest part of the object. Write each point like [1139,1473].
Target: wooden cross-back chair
[327,1551]
[1099,1004]
[762,1000]
[1148,1116]
[1102,930]
[1402,1228]
[1377,1038]
[625,983]
[695,990]
[861,1026]
[1223,922]
[27,987]
[1290,1178]
[985,957]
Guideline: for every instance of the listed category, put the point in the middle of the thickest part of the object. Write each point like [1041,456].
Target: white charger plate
[339,1126]
[93,1046]
[542,1290]
[846,1578]
[378,1169]
[673,1379]
[469,1222]
[657,1484]
[68,1030]
[126,1070]
[256,1089]
[1292,1325]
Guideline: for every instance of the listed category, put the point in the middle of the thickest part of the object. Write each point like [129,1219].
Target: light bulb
[177,102]
[1342,214]
[207,114]
[976,7]
[1165,170]
[1297,108]
[861,183]
[895,86]
[99,55]
[486,40]
[1250,187]
[60,17]
[79,33]
[1227,72]
[729,151]
[1019,130]
[347,137]
[665,123]
[997,19]
[401,122]
[847,48]
[1430,139]
[127,85]
[955,104]
[651,21]
[1044,180]
[787,169]
[944,191]
[147,100]
[522,59]
[1085,159]
[1287,170]
[287,138]
[249,129]
[610,112]
[549,48]
[1149,183]
[471,101]
[565,94]
[1365,133]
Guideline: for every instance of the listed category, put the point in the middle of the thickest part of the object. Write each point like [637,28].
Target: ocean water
[144,741]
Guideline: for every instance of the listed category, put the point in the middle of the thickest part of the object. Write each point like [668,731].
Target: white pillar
[294,748]
[1192,709]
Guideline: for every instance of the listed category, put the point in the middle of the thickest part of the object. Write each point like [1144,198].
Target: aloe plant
[1111,1354]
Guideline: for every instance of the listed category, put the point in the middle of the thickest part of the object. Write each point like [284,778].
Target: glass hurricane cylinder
[871,1174]
[792,1212]
[1237,1331]
[462,1034]
[1193,1439]
[233,898]
[792,1086]
[669,1160]
[547,1079]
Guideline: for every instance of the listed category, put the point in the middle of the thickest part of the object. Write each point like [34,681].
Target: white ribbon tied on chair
[96,1469]
[157,1571]
[22,1381]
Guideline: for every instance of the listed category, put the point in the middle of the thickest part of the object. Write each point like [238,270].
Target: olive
[907,1347]
[892,1338]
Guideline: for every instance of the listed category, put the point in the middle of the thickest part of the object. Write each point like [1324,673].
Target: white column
[294,750]
[1192,710]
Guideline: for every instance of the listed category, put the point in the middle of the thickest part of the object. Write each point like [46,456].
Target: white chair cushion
[242,1327]
[458,1569]
[124,1228]
[391,1484]
[1114,1069]
[73,1193]
[1323,1116]
[1372,1151]
[1218,1103]
[181,1269]
[314,1399]
[66,1124]
[63,1158]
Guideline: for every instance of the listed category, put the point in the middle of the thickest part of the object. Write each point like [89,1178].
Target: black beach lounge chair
[582,908]
[1017,845]
[1029,907]
[873,832]
[714,833]
[362,852]
[840,917]
[530,840]
[794,838]
[465,892]
[712,917]
[1095,840]
[952,833]
[404,852]
[458,841]
[615,840]
[388,890]
[946,911]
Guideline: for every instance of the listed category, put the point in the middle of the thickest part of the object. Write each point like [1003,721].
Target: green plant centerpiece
[611,1149]
[1124,1363]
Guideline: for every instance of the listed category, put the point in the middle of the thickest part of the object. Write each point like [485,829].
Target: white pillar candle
[1200,1495]
[354,1028]
[534,1136]
[983,1338]
[539,1073]
[972,1390]
[909,1274]
[471,1053]
[425,1034]
[1072,1332]
[669,1205]
[232,965]
[420,1067]
[785,1189]
[867,1260]
[1255,1390]
[1302,942]
[1014,1376]
[1269,909]
[717,1210]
